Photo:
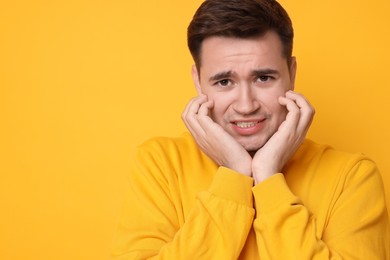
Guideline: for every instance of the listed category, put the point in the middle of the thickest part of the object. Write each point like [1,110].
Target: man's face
[245,78]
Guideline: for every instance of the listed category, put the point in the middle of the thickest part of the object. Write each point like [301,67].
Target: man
[246,184]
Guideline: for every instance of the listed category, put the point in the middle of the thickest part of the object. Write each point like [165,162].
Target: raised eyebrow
[263,72]
[221,76]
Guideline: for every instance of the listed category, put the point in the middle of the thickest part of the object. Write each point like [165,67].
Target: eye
[223,83]
[264,78]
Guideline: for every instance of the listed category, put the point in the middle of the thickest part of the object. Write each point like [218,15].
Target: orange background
[82,82]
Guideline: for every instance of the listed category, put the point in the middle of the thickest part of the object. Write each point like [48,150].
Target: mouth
[246,128]
[246,124]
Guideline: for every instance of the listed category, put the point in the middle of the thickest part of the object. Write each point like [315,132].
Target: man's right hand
[212,139]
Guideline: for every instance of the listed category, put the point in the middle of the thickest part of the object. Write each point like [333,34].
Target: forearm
[286,229]
[216,227]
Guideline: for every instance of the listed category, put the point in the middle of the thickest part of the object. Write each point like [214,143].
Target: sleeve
[357,226]
[150,226]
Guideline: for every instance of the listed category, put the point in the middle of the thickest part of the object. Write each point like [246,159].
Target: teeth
[245,124]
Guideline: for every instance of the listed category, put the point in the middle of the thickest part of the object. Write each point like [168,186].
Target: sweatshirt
[325,204]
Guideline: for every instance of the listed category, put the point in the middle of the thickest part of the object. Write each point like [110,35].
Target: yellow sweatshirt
[181,205]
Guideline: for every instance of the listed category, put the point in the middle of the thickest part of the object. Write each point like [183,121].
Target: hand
[212,139]
[272,157]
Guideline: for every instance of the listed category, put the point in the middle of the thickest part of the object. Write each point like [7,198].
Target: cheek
[221,105]
[279,112]
[278,109]
[270,101]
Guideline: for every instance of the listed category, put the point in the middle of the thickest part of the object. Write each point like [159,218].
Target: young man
[245,183]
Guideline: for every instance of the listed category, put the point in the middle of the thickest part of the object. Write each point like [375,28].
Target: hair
[239,19]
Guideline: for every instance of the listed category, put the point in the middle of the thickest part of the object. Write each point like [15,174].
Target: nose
[245,101]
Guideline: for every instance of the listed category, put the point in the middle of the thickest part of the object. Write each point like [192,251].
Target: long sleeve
[327,204]
[153,226]
[356,225]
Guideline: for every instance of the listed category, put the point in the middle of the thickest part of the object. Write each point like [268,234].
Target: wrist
[242,166]
[261,175]
[242,170]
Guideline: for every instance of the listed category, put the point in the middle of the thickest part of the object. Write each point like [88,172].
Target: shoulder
[176,151]
[168,145]
[325,163]
[311,151]
[320,174]
[172,160]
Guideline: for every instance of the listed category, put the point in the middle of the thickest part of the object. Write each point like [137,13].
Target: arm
[286,229]
[357,226]
[153,225]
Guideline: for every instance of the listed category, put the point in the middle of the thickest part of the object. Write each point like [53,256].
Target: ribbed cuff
[271,193]
[233,186]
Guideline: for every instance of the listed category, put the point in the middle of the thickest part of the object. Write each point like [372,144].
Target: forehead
[264,50]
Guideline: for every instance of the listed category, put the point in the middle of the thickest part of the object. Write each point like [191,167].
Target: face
[244,78]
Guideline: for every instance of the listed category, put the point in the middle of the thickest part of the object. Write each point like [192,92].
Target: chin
[253,144]
[252,147]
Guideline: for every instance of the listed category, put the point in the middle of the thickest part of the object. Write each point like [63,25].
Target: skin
[247,117]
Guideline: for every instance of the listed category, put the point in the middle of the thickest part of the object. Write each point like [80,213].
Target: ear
[196,79]
[293,72]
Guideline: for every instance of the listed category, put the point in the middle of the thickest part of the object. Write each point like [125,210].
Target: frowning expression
[245,78]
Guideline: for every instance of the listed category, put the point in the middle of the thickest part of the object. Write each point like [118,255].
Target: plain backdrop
[83,82]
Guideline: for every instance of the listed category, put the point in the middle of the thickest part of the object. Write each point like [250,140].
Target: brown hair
[239,19]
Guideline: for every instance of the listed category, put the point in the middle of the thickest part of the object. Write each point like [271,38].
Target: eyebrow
[221,75]
[227,74]
[262,72]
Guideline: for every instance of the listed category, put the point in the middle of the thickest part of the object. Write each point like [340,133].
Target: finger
[306,110]
[205,108]
[293,113]
[189,115]
[202,120]
[300,100]
[193,105]
[186,113]
[205,121]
